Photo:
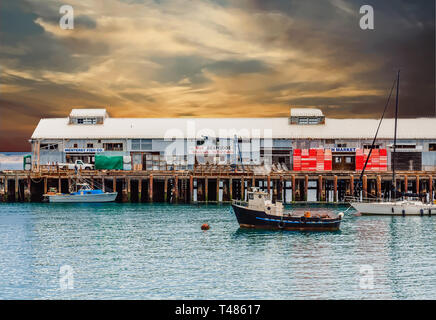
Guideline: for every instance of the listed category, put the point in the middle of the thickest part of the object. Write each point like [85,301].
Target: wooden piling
[206,190]
[17,188]
[335,188]
[417,184]
[166,189]
[218,190]
[430,188]
[406,183]
[242,189]
[176,189]
[365,186]
[268,181]
[320,188]
[191,188]
[140,190]
[45,185]
[378,186]
[231,189]
[293,187]
[351,185]
[306,186]
[150,188]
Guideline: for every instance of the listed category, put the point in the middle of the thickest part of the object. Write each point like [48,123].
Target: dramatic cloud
[200,58]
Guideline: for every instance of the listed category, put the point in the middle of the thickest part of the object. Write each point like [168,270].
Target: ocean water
[158,251]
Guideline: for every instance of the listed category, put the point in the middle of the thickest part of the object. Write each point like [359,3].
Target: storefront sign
[211,150]
[343,149]
[83,150]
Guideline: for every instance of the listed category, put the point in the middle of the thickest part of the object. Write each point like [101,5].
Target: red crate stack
[375,158]
[365,157]
[297,160]
[319,160]
[312,159]
[305,160]
[383,160]
[328,160]
[359,160]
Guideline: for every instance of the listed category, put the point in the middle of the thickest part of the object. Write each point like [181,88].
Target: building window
[338,159]
[113,146]
[330,141]
[348,160]
[48,146]
[75,145]
[141,144]
[432,147]
[406,146]
[303,121]
[368,146]
[90,145]
[80,121]
[341,145]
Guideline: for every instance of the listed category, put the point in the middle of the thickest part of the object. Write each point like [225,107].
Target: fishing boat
[83,193]
[399,203]
[259,212]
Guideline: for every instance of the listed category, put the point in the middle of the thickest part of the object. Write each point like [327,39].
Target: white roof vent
[306,116]
[88,116]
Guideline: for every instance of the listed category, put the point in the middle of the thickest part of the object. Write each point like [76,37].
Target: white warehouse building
[170,143]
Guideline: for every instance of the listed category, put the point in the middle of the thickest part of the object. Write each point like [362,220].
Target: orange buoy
[205,226]
[307,214]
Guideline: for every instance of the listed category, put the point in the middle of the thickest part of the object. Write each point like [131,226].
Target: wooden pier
[214,186]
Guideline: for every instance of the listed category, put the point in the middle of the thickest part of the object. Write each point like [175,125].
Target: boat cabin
[261,201]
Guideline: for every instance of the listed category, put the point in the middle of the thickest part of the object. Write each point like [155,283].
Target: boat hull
[67,198]
[260,220]
[394,209]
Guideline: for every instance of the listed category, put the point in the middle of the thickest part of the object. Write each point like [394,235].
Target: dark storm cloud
[252,55]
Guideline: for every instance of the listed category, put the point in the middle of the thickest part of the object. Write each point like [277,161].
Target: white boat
[84,194]
[403,207]
[394,208]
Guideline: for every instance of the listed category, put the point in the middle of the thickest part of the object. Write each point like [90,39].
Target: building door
[344,161]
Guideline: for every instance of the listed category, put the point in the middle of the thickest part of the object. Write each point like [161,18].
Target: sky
[211,58]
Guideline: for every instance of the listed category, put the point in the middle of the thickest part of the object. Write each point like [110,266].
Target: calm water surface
[152,251]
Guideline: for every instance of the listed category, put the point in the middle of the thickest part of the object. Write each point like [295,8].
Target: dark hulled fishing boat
[259,212]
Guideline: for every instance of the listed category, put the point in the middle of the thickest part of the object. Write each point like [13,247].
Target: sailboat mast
[395,136]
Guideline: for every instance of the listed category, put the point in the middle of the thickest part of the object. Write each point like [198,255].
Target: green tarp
[108,163]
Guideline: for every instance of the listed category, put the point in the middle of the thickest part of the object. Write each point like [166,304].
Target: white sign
[84,150]
[343,149]
[211,150]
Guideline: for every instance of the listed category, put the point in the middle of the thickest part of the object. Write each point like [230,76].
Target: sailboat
[396,206]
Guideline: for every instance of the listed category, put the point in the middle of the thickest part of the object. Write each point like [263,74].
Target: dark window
[250,196]
[432,147]
[329,141]
[48,146]
[75,145]
[341,145]
[80,121]
[200,142]
[368,146]
[113,146]
[90,145]
[406,146]
[99,141]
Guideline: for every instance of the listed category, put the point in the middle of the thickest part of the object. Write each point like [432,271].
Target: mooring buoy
[205,226]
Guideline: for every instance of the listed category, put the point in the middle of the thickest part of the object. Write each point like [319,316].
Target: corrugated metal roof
[121,128]
[306,112]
